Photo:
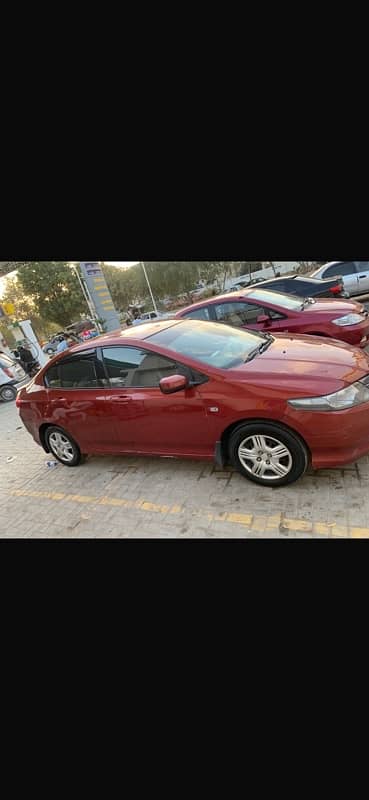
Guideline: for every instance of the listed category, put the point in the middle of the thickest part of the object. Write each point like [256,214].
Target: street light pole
[148,283]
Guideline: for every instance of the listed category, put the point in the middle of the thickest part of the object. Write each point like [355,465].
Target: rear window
[340,269]
[280,299]
[75,374]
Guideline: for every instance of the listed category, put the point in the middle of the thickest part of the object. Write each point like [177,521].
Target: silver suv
[355,275]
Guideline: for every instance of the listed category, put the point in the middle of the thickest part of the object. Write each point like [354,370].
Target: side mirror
[263,319]
[174,383]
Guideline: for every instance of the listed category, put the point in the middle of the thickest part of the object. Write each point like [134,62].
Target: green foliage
[9,266]
[54,291]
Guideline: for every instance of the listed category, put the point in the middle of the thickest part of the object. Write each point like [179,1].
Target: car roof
[330,264]
[240,294]
[304,278]
[137,333]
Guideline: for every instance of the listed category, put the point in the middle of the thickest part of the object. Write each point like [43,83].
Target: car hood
[334,307]
[310,365]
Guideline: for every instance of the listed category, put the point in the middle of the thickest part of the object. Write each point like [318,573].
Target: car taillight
[18,401]
[337,289]
[8,372]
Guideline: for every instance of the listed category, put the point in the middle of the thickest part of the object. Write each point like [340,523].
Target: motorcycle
[30,366]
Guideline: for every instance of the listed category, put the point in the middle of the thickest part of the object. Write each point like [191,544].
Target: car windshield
[279,299]
[211,343]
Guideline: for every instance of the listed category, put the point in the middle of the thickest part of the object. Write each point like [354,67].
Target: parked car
[306,287]
[150,316]
[354,274]
[11,374]
[260,309]
[269,405]
[86,335]
[51,346]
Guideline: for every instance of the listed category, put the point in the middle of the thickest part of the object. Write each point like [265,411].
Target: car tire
[253,452]
[63,447]
[8,393]
[50,351]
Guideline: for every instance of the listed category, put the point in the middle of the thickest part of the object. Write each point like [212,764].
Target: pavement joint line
[253,523]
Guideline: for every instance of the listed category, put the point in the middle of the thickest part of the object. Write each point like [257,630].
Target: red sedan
[264,310]
[270,406]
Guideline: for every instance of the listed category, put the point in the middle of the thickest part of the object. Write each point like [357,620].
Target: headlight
[353,395]
[349,319]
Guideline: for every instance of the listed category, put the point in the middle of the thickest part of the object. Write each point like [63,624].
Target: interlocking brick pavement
[149,497]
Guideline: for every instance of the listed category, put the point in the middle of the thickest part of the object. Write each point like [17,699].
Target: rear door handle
[362,276]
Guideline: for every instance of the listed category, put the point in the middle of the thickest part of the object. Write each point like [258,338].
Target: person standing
[63,345]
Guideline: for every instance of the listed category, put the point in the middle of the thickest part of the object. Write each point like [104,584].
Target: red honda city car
[186,388]
[263,310]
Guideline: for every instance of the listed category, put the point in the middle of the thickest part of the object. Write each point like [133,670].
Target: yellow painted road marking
[254,523]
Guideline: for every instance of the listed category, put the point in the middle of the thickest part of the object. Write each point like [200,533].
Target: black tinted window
[52,378]
[75,374]
[199,313]
[131,367]
[344,268]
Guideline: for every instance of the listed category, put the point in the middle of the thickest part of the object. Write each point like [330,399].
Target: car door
[146,420]
[362,276]
[76,401]
[348,271]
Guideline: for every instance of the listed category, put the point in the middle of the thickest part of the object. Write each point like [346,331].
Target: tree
[25,308]
[9,266]
[248,267]
[222,271]
[54,290]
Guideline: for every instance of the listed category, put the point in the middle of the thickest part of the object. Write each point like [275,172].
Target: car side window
[345,268]
[77,373]
[199,313]
[130,367]
[274,314]
[238,314]
[362,266]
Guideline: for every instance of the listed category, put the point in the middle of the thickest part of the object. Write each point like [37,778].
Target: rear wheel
[63,447]
[268,454]
[8,393]
[50,351]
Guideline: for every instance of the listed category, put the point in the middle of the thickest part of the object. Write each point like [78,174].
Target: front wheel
[63,447]
[268,454]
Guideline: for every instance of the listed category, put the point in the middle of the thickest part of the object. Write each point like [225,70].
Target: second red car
[274,312]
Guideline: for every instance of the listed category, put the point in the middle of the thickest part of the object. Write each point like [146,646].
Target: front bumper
[335,438]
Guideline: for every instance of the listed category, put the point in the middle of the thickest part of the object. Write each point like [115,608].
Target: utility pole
[150,290]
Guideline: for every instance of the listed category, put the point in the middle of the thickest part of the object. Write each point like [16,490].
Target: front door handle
[362,276]
[121,398]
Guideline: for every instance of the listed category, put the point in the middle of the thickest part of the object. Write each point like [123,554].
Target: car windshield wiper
[262,347]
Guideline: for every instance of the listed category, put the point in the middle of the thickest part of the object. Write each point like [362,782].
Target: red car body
[264,310]
[196,421]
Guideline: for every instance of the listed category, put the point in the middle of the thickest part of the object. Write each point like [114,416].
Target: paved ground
[128,497]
